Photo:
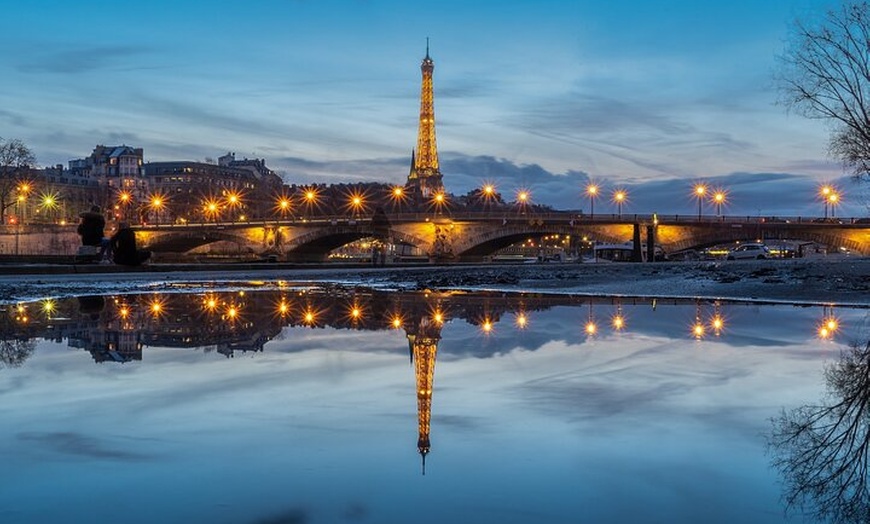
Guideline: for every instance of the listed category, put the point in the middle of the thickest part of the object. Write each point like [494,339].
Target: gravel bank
[830,280]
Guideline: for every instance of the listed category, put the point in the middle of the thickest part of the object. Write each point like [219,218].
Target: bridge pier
[651,243]
[637,247]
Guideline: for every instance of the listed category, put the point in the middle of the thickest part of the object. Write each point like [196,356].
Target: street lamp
[397,195]
[620,196]
[356,204]
[825,192]
[700,191]
[310,196]
[49,203]
[156,203]
[211,209]
[523,198]
[439,200]
[833,199]
[592,191]
[124,199]
[719,198]
[283,206]
[488,193]
[234,200]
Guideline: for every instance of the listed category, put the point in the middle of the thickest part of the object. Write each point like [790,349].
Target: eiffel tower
[425,178]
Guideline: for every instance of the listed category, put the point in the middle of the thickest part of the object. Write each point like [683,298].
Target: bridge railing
[561,217]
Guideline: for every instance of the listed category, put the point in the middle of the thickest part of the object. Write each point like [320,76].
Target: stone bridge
[474,236]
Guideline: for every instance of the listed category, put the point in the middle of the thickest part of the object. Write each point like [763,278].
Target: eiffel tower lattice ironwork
[425,175]
[423,343]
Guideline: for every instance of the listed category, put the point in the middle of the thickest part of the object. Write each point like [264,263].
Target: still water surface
[276,403]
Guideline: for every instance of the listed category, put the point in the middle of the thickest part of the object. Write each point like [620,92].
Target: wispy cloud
[81,60]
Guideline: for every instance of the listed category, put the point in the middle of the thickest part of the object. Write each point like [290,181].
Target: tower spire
[426,176]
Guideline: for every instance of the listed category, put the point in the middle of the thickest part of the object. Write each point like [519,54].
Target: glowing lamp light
[397,322]
[698,330]
[618,322]
[438,317]
[591,328]
[486,326]
[522,320]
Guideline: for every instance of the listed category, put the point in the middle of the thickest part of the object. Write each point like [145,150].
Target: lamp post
[310,200]
[619,196]
[234,200]
[719,198]
[700,191]
[124,199]
[283,206]
[523,198]
[834,199]
[439,200]
[592,191]
[156,205]
[397,195]
[356,203]
[825,192]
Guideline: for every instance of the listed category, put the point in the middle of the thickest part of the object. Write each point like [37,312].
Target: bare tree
[16,161]
[13,352]
[825,74]
[823,452]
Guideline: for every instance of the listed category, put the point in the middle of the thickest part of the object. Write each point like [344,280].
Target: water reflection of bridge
[473,235]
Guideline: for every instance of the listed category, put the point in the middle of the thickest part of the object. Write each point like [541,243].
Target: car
[746,251]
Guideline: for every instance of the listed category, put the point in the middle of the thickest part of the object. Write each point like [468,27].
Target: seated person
[123,244]
[91,230]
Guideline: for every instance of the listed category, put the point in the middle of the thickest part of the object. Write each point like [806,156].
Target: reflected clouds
[80,445]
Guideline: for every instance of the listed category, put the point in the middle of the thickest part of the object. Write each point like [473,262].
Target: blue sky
[544,95]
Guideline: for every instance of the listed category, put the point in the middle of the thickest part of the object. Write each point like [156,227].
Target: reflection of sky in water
[543,424]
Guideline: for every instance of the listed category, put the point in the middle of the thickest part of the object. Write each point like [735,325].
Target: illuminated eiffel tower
[424,346]
[425,177]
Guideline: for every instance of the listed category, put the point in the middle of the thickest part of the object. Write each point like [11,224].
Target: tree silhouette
[13,352]
[825,74]
[823,451]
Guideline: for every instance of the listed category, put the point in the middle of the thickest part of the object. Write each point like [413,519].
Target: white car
[747,251]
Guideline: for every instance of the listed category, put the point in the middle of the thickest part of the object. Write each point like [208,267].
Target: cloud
[71,443]
[14,118]
[782,194]
[84,60]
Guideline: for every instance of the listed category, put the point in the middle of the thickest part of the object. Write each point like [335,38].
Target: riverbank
[825,280]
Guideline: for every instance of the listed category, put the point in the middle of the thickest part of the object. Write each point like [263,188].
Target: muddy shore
[824,280]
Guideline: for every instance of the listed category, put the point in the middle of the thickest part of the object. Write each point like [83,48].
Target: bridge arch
[184,241]
[679,238]
[485,242]
[314,245]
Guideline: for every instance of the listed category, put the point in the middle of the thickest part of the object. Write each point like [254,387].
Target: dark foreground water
[280,404]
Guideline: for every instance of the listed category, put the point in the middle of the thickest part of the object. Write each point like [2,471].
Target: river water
[276,403]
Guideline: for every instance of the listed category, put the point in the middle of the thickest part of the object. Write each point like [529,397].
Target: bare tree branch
[823,452]
[825,74]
